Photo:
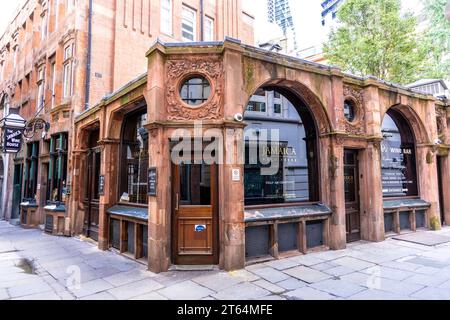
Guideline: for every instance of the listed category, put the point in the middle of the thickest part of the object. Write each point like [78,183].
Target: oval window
[349,110]
[195,91]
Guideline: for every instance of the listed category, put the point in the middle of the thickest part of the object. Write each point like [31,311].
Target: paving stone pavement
[36,266]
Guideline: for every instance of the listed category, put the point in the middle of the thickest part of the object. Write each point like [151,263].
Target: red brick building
[59,57]
[356,159]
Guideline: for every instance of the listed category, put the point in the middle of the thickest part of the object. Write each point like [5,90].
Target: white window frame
[70,5]
[188,18]
[44,26]
[277,101]
[15,49]
[167,17]
[41,88]
[56,13]
[53,83]
[261,99]
[68,71]
[208,29]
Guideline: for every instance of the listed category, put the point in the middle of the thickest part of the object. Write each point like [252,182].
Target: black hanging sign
[152,182]
[12,142]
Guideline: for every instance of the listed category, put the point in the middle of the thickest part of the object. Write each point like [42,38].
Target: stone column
[428,184]
[334,160]
[371,194]
[159,220]
[445,165]
[231,202]
[231,193]
[372,217]
[110,170]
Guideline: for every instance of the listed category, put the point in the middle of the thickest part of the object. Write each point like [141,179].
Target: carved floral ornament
[440,121]
[180,70]
[357,126]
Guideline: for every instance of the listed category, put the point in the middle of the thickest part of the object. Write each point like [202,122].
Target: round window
[349,110]
[195,91]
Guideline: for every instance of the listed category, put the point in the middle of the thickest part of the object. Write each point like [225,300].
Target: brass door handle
[177,202]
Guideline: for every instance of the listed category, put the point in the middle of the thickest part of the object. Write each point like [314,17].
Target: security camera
[238,117]
[437,142]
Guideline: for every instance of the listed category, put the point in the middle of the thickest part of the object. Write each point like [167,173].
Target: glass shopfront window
[399,177]
[277,168]
[57,170]
[135,160]
[31,171]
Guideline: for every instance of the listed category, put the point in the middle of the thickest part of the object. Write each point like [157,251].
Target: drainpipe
[89,59]
[202,20]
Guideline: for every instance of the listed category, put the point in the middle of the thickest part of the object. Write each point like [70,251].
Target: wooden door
[195,221]
[92,197]
[352,205]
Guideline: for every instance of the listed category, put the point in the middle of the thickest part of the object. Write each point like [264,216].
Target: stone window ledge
[129,212]
[288,212]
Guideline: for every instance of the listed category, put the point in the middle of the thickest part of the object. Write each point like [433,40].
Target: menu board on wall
[398,173]
[152,182]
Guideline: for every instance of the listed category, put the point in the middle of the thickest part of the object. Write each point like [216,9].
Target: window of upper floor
[68,71]
[166,16]
[44,26]
[188,24]
[266,103]
[208,29]
[41,87]
[70,5]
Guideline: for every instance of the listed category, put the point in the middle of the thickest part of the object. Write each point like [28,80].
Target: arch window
[399,176]
[135,159]
[280,152]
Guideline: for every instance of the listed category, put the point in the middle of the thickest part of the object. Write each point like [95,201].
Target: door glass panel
[349,182]
[195,184]
[96,173]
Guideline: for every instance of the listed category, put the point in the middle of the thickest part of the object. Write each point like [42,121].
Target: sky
[7,9]
[306,13]
[307,17]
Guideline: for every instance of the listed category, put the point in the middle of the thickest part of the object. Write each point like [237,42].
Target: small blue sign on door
[200,227]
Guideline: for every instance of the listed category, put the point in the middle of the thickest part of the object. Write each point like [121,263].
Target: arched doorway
[398,149]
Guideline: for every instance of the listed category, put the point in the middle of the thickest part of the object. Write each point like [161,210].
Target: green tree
[438,39]
[374,38]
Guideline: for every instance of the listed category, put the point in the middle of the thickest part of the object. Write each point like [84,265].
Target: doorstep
[193,268]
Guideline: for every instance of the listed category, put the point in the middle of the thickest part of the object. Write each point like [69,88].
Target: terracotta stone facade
[235,72]
[44,55]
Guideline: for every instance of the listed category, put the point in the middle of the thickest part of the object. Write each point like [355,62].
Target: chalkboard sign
[152,182]
[101,185]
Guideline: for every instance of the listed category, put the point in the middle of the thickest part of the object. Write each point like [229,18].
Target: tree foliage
[374,38]
[438,39]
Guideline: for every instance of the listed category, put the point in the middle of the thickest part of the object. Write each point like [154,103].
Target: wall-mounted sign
[101,185]
[12,142]
[152,182]
[236,173]
[200,227]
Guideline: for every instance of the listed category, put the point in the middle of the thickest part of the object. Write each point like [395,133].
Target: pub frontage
[226,154]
